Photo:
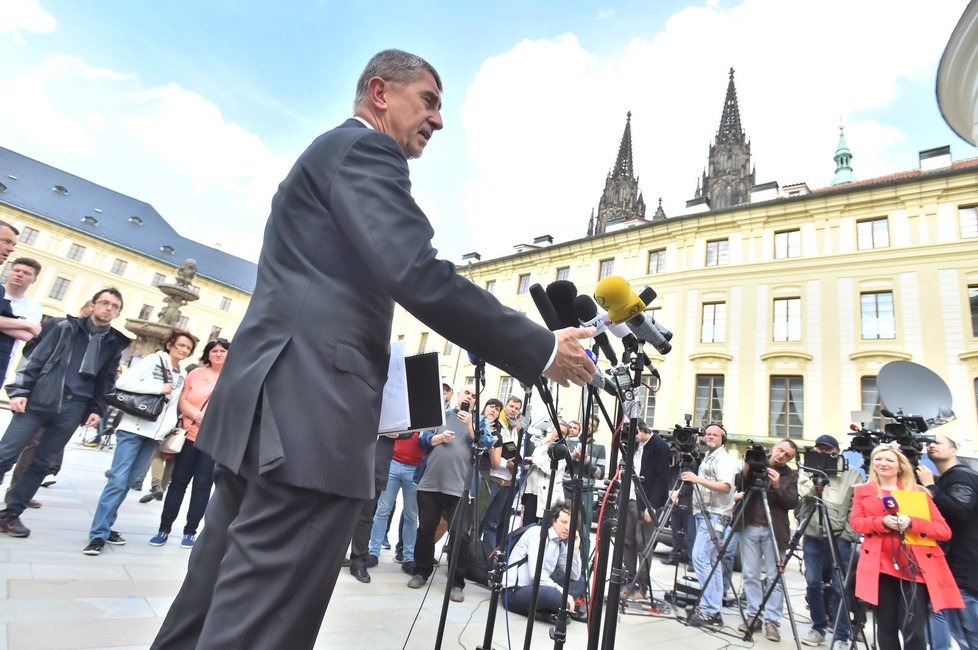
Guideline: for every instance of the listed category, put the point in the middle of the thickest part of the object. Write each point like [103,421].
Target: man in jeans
[400,478]
[61,385]
[713,491]
[759,548]
[955,494]
[837,496]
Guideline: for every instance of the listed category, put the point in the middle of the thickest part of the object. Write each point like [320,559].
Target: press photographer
[828,478]
[955,493]
[756,543]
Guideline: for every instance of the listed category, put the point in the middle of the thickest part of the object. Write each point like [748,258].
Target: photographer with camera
[836,494]
[756,544]
[713,493]
[503,458]
[955,493]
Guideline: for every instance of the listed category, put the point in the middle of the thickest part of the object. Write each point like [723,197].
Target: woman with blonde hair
[900,568]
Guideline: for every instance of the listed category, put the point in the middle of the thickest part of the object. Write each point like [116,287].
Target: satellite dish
[914,389]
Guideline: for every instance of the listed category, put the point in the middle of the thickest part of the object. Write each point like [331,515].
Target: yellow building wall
[93,272]
[927,266]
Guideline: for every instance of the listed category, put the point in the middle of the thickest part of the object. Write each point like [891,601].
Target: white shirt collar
[363,121]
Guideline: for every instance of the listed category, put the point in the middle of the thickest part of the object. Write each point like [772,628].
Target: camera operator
[955,493]
[651,476]
[756,545]
[713,492]
[837,496]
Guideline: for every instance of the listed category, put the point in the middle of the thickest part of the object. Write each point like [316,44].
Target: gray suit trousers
[262,572]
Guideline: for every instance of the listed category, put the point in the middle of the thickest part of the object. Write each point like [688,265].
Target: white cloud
[544,119]
[210,178]
[26,16]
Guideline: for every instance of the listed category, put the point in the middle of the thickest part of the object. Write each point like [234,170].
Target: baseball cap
[827,440]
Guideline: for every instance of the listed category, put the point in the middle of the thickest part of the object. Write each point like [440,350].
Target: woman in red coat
[893,574]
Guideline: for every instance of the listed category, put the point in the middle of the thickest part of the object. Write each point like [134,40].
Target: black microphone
[600,381]
[545,307]
[587,314]
[562,294]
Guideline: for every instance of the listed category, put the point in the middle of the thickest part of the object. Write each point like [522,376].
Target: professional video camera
[755,459]
[919,392]
[684,443]
[821,465]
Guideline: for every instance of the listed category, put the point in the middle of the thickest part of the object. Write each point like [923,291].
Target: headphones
[723,440]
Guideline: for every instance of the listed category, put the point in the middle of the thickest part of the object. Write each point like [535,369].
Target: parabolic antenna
[914,389]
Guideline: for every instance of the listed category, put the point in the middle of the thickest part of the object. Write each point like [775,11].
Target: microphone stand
[460,519]
[557,452]
[497,572]
[631,408]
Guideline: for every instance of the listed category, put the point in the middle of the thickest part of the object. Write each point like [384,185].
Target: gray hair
[395,66]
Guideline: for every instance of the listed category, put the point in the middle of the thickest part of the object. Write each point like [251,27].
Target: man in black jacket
[61,385]
[956,495]
[652,478]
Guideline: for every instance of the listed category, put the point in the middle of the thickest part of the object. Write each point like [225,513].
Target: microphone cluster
[560,306]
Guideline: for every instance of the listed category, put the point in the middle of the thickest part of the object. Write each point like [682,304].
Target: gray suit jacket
[344,241]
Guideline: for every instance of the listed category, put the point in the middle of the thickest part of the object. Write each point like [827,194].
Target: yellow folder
[914,504]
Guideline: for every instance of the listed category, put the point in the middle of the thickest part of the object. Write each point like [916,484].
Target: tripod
[840,574]
[759,486]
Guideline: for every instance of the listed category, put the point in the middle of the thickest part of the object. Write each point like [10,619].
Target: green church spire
[843,161]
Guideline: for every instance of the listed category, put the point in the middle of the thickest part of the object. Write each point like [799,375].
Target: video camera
[905,430]
[755,460]
[830,464]
[684,443]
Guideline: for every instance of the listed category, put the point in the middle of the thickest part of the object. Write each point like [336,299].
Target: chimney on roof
[765,192]
[936,158]
[543,240]
[472,257]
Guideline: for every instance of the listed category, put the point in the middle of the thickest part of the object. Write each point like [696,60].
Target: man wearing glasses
[60,386]
[12,329]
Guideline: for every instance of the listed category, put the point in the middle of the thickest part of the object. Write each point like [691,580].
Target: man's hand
[167,389]
[33,328]
[925,475]
[571,364]
[691,477]
[18,404]
[647,516]
[774,476]
[93,420]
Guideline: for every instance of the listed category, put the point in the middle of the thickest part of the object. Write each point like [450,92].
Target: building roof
[81,205]
[902,176]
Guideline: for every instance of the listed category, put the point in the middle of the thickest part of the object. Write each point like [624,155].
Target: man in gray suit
[293,421]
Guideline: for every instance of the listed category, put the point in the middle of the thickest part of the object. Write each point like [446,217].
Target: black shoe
[546,617]
[48,483]
[346,562]
[360,573]
[137,486]
[699,619]
[671,561]
[409,567]
[580,611]
[115,538]
[372,561]
[398,556]
[13,527]
[94,547]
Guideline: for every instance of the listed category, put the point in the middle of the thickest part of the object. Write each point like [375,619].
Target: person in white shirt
[23,273]
[522,562]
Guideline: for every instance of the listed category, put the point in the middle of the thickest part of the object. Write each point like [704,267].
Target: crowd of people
[70,367]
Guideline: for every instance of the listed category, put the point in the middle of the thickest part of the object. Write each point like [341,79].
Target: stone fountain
[149,335]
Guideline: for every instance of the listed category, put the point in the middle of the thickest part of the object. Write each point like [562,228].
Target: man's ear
[377,92]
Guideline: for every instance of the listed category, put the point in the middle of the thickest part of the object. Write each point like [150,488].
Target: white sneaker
[813,638]
[841,645]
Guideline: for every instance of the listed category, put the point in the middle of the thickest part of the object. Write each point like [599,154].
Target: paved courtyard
[54,598]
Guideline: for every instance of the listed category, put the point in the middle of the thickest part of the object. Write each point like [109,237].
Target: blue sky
[200,107]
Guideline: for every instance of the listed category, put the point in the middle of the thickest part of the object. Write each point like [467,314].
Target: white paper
[395,412]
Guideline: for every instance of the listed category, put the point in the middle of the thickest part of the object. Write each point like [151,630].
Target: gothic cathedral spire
[728,179]
[621,201]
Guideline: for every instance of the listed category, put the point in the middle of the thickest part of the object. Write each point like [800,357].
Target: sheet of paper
[395,413]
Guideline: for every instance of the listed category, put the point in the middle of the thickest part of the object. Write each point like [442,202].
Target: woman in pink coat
[893,574]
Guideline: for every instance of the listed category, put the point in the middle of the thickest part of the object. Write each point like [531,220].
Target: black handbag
[141,405]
